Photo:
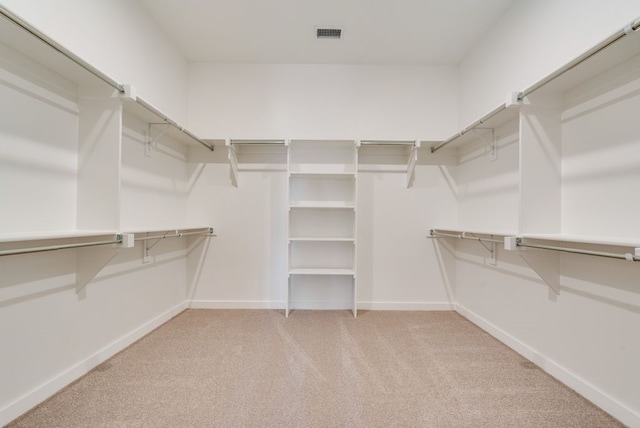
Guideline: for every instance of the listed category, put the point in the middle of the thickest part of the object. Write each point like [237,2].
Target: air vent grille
[328,33]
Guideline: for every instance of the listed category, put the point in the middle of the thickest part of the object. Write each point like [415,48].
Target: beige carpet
[247,368]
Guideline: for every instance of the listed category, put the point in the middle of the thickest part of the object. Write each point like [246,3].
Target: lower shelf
[347,272]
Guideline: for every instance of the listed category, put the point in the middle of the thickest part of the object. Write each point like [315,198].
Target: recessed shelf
[324,239]
[325,271]
[321,174]
[323,205]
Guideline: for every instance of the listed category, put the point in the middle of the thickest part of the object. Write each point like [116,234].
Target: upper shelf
[618,47]
[37,46]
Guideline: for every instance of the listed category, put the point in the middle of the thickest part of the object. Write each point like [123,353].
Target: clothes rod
[628,256]
[60,247]
[475,124]
[435,234]
[59,48]
[175,235]
[630,29]
[171,122]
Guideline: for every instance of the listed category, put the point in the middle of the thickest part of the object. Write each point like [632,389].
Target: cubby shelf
[332,205]
[322,196]
[325,239]
[323,272]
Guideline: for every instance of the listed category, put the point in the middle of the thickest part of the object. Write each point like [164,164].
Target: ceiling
[283,31]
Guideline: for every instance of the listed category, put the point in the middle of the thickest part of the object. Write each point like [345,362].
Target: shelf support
[489,142]
[151,142]
[91,261]
[233,162]
[411,165]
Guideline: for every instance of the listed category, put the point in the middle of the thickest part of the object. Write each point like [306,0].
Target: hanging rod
[61,49]
[171,122]
[475,124]
[12,17]
[118,240]
[629,29]
[626,256]
[435,234]
[177,234]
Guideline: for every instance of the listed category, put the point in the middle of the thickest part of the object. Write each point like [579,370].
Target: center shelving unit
[322,189]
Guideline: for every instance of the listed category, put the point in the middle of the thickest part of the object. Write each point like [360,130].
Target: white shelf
[476,231]
[323,239]
[52,235]
[167,229]
[323,205]
[322,174]
[326,271]
[586,239]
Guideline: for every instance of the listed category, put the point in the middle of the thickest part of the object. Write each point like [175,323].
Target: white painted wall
[322,101]
[586,335]
[51,335]
[119,38]
[534,38]
[247,263]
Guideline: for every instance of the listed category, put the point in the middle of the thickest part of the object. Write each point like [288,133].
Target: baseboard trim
[46,390]
[237,304]
[406,306]
[306,305]
[582,387]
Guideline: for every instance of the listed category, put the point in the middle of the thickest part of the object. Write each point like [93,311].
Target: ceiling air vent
[328,33]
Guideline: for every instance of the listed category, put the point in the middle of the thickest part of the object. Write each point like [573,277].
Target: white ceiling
[283,31]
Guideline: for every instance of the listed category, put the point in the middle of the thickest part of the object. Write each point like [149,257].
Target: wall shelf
[323,272]
[322,195]
[325,239]
[389,156]
[31,42]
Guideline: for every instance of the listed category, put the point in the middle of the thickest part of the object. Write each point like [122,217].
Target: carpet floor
[254,368]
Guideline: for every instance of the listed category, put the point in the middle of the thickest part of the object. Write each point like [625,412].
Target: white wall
[322,101]
[119,38]
[586,335]
[51,334]
[247,263]
[534,38]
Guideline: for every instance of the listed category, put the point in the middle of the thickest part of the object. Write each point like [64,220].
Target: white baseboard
[406,306]
[305,305]
[582,387]
[237,304]
[41,393]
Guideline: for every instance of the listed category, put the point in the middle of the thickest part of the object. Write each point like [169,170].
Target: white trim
[237,304]
[47,389]
[406,306]
[590,392]
[319,305]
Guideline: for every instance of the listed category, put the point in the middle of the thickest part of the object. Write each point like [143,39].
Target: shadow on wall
[32,276]
[609,281]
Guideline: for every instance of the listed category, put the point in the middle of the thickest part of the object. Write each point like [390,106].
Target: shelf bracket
[233,162]
[151,142]
[146,258]
[491,248]
[489,142]
[411,165]
[546,265]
